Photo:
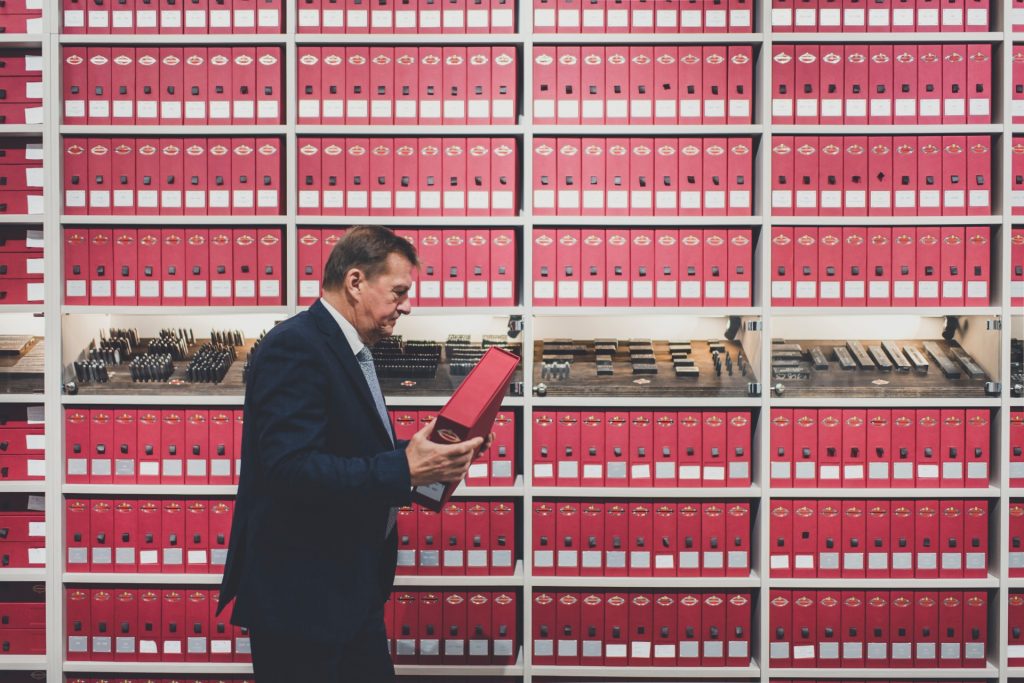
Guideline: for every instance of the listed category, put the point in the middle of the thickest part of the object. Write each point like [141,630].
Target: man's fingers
[458,470]
[462,447]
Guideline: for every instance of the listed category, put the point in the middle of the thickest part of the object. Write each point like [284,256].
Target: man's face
[383,299]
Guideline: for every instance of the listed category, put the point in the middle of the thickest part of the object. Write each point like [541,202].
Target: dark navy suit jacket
[308,556]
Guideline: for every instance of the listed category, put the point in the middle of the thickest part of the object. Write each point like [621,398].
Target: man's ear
[353,278]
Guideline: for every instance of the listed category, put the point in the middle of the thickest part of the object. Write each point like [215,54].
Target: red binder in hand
[469,413]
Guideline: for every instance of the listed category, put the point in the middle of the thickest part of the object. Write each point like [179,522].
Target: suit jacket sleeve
[289,395]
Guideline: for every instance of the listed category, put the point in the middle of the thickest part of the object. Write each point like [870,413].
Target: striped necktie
[365,358]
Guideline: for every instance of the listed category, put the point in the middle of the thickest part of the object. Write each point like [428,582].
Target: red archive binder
[469,413]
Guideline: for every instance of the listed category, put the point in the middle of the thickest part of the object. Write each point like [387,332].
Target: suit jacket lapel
[342,351]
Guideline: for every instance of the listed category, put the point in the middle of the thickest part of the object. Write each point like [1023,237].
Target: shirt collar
[346,327]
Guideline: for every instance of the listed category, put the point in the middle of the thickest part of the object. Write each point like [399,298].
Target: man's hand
[430,462]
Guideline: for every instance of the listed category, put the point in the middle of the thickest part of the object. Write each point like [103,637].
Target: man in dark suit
[312,554]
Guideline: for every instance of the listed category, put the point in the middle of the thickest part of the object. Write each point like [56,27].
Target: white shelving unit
[647,221]
[665,311]
[147,490]
[988,672]
[513,581]
[991,582]
[742,493]
[185,668]
[856,493]
[23,662]
[760,492]
[31,309]
[911,37]
[632,129]
[549,402]
[415,221]
[711,673]
[888,220]
[255,131]
[172,39]
[410,130]
[786,402]
[462,491]
[170,311]
[172,400]
[947,129]
[164,221]
[21,398]
[647,583]
[31,575]
[645,38]
[409,39]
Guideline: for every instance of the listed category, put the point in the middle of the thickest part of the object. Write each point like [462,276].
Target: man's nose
[405,308]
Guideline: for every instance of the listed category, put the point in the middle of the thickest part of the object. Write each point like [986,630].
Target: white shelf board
[989,671]
[237,400]
[645,583]
[23,574]
[641,672]
[885,220]
[19,39]
[865,129]
[738,492]
[516,489]
[31,218]
[201,669]
[142,579]
[515,580]
[470,670]
[177,310]
[819,493]
[449,311]
[149,490]
[174,39]
[241,130]
[840,402]
[22,662]
[415,221]
[893,37]
[411,129]
[1015,582]
[852,311]
[21,129]
[21,398]
[167,400]
[649,221]
[23,487]
[614,312]
[662,130]
[22,308]
[438,401]
[408,38]
[646,38]
[1016,402]
[166,221]
[888,584]
[680,402]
